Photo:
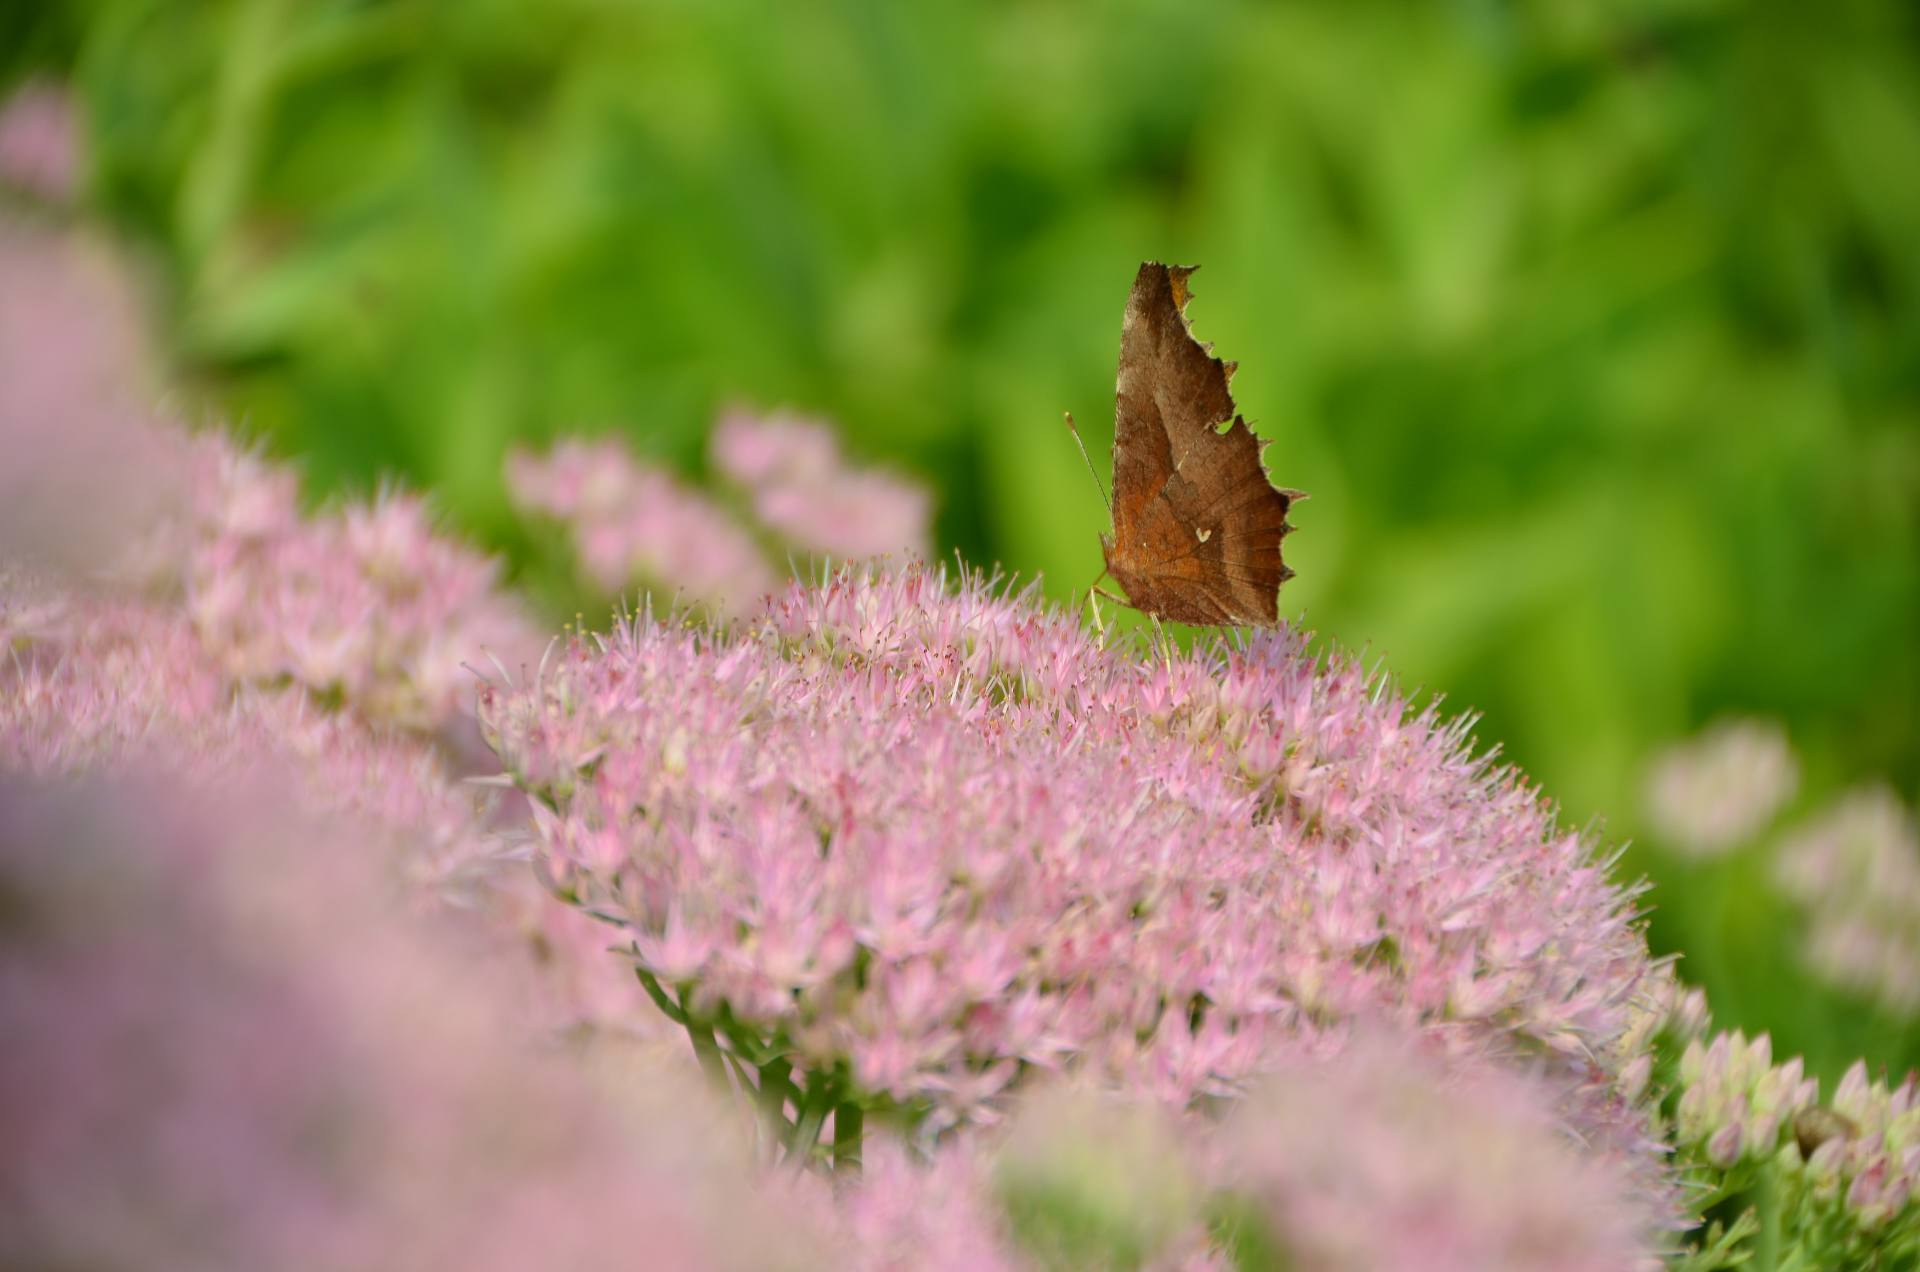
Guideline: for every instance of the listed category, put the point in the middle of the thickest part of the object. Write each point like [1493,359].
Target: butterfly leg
[1094,605]
[1163,641]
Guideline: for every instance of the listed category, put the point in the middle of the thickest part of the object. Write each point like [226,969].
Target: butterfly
[1197,524]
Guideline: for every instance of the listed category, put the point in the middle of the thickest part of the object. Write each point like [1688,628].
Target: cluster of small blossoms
[201,1072]
[802,488]
[1867,1153]
[364,604]
[99,681]
[1856,868]
[931,839]
[237,628]
[1384,1155]
[1388,1158]
[93,682]
[38,154]
[1844,1174]
[1708,795]
[90,469]
[632,523]
[1735,1104]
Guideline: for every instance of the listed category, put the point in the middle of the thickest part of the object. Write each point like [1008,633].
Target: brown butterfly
[1196,523]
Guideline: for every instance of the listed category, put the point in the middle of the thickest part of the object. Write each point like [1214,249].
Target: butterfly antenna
[1091,470]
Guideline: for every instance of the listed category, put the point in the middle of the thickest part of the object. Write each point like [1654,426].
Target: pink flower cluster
[1383,1156]
[1869,1155]
[90,469]
[1735,1104]
[364,604]
[804,490]
[1856,867]
[201,1072]
[943,837]
[1714,792]
[631,523]
[39,152]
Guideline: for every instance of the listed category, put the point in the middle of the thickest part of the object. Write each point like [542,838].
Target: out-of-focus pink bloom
[365,605]
[943,838]
[228,1047]
[906,1215]
[630,523]
[91,473]
[1383,1159]
[1856,867]
[93,681]
[1721,789]
[39,143]
[803,488]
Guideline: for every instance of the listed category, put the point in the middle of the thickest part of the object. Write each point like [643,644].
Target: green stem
[775,1088]
[1766,1203]
[705,1050]
[849,1120]
[813,1111]
[661,998]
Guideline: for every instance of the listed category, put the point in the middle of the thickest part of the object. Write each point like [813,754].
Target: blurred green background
[1593,329]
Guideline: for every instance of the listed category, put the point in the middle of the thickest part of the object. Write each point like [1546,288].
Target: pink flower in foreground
[1384,1160]
[940,838]
[1856,868]
[631,523]
[1382,1156]
[1721,789]
[804,490]
[95,682]
[227,1047]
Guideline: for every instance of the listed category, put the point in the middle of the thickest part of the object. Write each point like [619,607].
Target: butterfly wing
[1196,523]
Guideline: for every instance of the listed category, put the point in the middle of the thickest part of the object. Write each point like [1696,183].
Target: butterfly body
[1197,524]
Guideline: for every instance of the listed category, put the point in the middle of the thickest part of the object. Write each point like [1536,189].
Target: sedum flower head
[632,523]
[1867,1152]
[803,489]
[39,142]
[1388,1157]
[943,837]
[366,604]
[1722,788]
[1856,869]
[1735,1103]
[201,1073]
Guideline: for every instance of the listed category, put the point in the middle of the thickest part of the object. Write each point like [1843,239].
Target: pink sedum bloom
[39,143]
[1735,1103]
[943,838]
[1873,1162]
[631,523]
[202,1073]
[803,489]
[1856,869]
[1385,1159]
[1709,795]
[91,471]
[366,604]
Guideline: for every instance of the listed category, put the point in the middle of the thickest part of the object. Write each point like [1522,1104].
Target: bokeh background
[1593,329]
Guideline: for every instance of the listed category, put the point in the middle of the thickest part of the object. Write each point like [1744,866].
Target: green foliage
[1593,330]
